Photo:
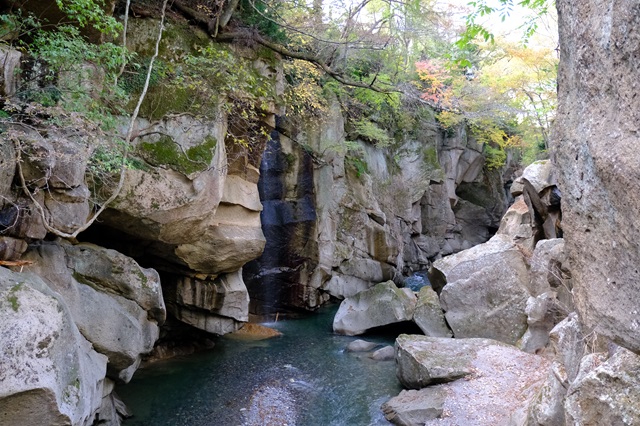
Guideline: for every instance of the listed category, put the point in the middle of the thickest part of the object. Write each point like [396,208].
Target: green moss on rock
[167,153]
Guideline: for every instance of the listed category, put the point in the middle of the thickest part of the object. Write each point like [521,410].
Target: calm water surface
[328,385]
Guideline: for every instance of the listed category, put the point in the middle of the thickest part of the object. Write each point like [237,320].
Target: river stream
[302,378]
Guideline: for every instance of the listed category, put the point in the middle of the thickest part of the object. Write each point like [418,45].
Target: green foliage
[261,15]
[495,140]
[92,13]
[371,132]
[135,75]
[503,9]
[358,164]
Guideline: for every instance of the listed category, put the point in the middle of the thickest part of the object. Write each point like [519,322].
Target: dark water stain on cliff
[289,226]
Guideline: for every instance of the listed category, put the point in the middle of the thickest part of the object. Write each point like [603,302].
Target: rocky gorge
[529,315]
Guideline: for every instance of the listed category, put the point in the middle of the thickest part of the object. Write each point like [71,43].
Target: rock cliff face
[337,224]
[596,146]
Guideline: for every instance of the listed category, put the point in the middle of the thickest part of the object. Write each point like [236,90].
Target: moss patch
[12,298]
[166,152]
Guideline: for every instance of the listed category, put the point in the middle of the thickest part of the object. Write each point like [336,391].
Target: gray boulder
[386,353]
[361,346]
[500,381]
[116,304]
[429,315]
[49,373]
[606,392]
[541,174]
[422,361]
[517,224]
[382,304]
[415,407]
[484,290]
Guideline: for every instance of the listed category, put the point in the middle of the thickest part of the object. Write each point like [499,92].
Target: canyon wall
[340,220]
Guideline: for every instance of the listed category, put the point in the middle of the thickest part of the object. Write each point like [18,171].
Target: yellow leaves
[448,119]
[303,92]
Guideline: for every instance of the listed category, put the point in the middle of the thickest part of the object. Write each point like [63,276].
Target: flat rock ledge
[463,382]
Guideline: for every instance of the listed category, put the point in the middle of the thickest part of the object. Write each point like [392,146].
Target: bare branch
[124,41]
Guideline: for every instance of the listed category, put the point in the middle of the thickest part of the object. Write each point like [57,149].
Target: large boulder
[116,304]
[414,407]
[218,306]
[606,392]
[540,174]
[484,290]
[499,381]
[49,373]
[382,304]
[429,316]
[595,142]
[517,224]
[567,347]
[422,361]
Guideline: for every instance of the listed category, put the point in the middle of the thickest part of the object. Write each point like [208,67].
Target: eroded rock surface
[596,144]
[484,290]
[383,304]
[606,391]
[94,280]
[49,373]
[484,382]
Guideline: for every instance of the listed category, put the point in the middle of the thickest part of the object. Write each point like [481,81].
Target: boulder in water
[386,353]
[361,346]
[251,331]
[382,304]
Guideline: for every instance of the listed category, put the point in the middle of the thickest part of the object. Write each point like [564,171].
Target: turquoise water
[325,385]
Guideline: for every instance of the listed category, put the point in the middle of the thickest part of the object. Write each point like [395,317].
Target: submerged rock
[386,353]
[271,406]
[251,331]
[383,304]
[361,346]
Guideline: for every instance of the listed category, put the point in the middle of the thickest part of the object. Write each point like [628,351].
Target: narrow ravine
[304,377]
